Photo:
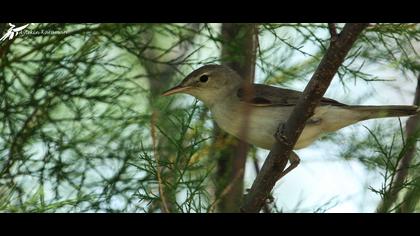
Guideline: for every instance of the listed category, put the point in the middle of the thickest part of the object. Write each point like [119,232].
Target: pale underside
[261,122]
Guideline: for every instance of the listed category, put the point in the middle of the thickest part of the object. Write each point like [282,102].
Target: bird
[253,113]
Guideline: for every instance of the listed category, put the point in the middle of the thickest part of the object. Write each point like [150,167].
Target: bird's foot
[269,199]
[280,137]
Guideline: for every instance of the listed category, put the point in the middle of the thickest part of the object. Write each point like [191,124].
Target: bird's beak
[176,89]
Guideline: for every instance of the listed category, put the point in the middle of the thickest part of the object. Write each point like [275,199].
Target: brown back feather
[265,95]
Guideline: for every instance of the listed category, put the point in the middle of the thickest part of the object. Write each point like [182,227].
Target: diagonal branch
[333,31]
[290,132]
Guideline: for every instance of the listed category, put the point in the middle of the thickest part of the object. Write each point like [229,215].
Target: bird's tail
[370,112]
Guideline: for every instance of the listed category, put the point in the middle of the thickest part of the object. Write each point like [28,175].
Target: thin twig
[227,189]
[30,126]
[412,128]
[158,169]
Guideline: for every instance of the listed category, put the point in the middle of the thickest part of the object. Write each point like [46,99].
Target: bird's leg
[293,157]
[294,162]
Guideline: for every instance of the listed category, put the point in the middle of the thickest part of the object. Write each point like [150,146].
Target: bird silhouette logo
[13,31]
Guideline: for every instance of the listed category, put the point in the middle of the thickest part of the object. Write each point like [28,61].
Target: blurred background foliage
[83,129]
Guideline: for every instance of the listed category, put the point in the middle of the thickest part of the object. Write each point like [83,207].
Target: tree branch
[290,132]
[239,40]
[333,31]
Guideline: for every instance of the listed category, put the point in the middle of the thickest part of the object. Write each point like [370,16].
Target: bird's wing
[265,95]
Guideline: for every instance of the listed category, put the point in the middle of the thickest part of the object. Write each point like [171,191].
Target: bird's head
[209,83]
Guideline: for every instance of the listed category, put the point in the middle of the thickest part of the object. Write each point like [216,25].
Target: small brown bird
[222,90]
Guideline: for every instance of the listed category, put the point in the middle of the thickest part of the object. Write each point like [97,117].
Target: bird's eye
[204,78]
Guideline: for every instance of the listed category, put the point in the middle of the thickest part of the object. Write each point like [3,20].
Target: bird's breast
[256,125]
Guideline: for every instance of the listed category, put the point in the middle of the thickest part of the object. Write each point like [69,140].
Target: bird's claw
[269,199]
[280,137]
